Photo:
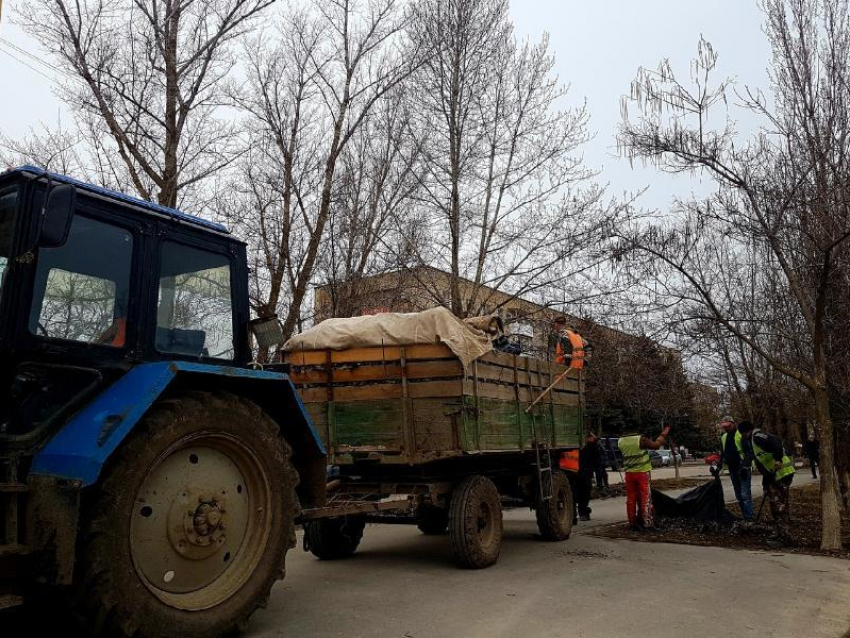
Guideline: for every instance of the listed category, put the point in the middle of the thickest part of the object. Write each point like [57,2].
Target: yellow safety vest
[739,444]
[766,461]
[635,459]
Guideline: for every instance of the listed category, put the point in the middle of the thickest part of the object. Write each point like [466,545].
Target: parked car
[656,459]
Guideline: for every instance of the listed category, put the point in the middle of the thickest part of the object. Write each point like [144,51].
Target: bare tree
[308,96]
[758,259]
[146,75]
[509,201]
[377,189]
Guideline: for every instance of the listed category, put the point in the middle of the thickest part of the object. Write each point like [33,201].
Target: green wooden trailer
[410,429]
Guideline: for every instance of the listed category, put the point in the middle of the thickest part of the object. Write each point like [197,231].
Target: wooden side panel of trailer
[416,404]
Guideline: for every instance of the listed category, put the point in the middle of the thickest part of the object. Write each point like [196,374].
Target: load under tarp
[703,503]
[437,325]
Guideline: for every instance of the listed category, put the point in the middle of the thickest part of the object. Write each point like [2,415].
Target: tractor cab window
[8,203]
[82,289]
[195,308]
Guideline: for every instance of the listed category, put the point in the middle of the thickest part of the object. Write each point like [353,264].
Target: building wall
[422,288]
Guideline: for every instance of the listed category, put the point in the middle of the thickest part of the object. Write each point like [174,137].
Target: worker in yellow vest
[637,466]
[777,471]
[737,458]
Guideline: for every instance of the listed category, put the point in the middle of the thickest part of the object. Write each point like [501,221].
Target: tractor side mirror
[58,213]
[267,331]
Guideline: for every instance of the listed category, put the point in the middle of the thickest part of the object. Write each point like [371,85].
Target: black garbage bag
[703,503]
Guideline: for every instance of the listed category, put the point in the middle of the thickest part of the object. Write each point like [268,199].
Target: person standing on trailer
[569,346]
[777,471]
[637,466]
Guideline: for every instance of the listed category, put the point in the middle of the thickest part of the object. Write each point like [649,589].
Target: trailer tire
[431,520]
[190,447]
[475,523]
[555,516]
[334,538]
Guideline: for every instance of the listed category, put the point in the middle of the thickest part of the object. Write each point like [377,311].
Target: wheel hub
[204,524]
[194,512]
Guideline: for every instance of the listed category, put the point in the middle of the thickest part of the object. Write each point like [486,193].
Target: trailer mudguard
[80,449]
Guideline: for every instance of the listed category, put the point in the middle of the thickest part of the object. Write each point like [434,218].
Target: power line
[29,66]
[23,51]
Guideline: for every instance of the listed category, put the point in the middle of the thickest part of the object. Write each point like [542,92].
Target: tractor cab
[93,282]
[133,434]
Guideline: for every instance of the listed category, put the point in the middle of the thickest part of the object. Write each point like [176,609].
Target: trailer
[410,429]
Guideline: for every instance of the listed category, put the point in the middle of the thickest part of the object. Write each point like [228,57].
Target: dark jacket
[591,457]
[812,449]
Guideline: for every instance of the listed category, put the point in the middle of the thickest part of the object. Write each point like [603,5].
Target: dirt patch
[614,491]
[805,529]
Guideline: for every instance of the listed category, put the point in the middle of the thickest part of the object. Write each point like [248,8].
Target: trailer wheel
[431,520]
[189,527]
[555,516]
[475,523]
[334,538]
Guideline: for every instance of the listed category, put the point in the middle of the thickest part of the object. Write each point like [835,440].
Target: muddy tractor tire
[188,529]
[555,515]
[475,523]
[431,520]
[334,538]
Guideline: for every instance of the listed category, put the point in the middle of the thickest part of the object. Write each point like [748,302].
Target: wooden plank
[436,424]
[375,353]
[352,393]
[517,408]
[407,412]
[380,371]
[370,425]
[436,389]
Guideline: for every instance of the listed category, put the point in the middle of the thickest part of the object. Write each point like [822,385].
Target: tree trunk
[829,488]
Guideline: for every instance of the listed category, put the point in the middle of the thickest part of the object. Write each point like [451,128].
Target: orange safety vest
[120,333]
[116,334]
[576,358]
[569,461]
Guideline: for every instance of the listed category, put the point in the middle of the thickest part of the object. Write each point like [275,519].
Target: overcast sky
[598,46]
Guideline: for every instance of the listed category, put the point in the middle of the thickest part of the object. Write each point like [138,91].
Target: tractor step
[7,601]
[13,549]
[13,488]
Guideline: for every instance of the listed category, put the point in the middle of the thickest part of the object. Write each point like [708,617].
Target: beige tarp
[436,325]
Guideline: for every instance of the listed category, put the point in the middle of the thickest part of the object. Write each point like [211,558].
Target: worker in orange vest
[570,346]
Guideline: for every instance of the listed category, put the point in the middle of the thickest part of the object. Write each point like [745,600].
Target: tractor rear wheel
[475,523]
[334,538]
[555,515]
[189,527]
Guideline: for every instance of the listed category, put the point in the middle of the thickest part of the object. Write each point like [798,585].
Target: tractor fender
[84,444]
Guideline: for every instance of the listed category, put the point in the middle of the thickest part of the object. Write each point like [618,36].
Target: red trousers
[638,499]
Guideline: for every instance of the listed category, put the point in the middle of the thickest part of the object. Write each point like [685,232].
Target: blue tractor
[149,473]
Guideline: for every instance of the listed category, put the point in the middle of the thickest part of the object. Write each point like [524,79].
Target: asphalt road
[401,584]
